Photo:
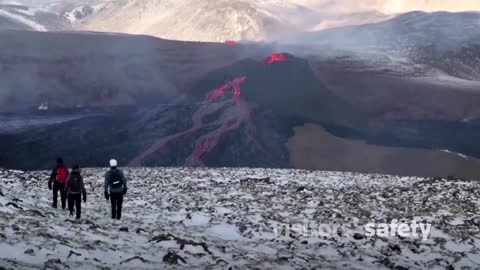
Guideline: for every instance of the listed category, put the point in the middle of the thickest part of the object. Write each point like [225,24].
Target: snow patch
[197,219]
[455,153]
[224,231]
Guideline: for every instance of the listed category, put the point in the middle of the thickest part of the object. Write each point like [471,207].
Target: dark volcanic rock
[73,253]
[14,205]
[134,258]
[126,133]
[172,258]
[265,180]
[358,236]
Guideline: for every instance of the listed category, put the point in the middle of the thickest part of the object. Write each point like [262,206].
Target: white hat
[113,163]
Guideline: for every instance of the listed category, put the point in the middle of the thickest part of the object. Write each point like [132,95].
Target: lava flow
[275,57]
[220,92]
[234,113]
[196,120]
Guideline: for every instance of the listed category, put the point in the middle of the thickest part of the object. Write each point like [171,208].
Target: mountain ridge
[189,20]
[16,16]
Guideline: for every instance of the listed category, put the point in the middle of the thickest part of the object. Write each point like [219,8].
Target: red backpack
[62,174]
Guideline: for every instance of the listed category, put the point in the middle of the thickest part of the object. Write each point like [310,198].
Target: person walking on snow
[115,188]
[57,178]
[75,188]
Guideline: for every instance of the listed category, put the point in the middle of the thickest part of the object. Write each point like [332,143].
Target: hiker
[58,177]
[115,188]
[75,188]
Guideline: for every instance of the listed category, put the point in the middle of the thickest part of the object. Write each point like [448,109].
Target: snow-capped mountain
[236,218]
[221,20]
[217,20]
[16,16]
[75,11]
[78,13]
[192,20]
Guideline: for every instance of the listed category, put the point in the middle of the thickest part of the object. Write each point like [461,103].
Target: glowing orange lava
[275,57]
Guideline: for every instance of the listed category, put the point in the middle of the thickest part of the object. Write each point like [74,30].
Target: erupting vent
[275,57]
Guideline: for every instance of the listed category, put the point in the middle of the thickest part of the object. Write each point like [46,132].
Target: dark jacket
[108,182]
[71,189]
[53,175]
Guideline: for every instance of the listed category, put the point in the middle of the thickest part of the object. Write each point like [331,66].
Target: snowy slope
[404,34]
[15,16]
[217,20]
[211,218]
[441,41]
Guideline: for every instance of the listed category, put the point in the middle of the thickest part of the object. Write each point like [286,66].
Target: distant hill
[447,41]
[81,69]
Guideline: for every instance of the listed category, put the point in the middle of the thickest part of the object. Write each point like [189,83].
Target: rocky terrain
[230,218]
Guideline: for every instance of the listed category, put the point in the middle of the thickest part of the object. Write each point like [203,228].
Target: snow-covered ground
[210,218]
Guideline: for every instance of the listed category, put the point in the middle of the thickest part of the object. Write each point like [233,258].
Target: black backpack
[116,178]
[75,183]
